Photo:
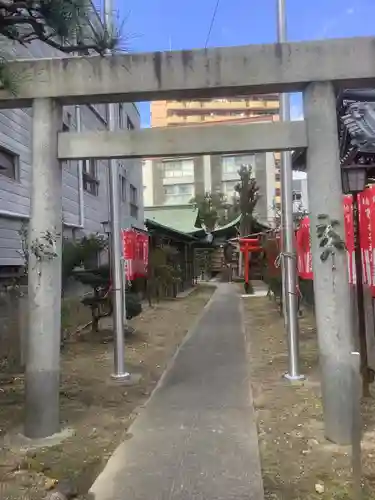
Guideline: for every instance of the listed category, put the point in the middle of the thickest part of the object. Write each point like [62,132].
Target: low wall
[13,324]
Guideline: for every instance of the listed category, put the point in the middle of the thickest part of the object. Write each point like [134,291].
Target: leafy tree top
[211,209]
[248,197]
[215,210]
[248,190]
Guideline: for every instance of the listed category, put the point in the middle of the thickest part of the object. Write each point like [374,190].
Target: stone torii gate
[315,68]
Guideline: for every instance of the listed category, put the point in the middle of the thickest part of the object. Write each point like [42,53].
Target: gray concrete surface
[42,373]
[177,141]
[196,438]
[215,72]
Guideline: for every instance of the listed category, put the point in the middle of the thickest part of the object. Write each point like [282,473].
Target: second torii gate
[248,246]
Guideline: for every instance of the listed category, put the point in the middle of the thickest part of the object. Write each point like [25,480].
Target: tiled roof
[152,225]
[180,218]
[356,123]
[356,112]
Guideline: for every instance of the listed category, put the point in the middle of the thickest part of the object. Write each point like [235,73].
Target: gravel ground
[298,463]
[99,411]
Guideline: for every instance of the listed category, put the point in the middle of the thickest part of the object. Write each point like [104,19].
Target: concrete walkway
[196,439]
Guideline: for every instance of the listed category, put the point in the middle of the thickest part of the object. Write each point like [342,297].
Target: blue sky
[163,24]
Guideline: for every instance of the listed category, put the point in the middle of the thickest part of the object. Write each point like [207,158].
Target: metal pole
[288,252]
[81,204]
[81,201]
[355,395]
[116,251]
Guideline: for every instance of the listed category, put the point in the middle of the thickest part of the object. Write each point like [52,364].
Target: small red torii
[247,246]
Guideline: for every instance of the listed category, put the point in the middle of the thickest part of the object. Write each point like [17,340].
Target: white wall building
[86,204]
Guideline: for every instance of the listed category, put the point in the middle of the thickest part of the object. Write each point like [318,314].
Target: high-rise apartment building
[175,181]
[170,113]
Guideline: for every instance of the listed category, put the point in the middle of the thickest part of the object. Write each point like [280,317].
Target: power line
[212,23]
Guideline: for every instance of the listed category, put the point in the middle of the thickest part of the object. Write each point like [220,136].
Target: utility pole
[289,269]
[118,296]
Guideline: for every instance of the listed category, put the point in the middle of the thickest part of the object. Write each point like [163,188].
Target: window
[133,194]
[178,194]
[66,128]
[277,192]
[134,211]
[90,179]
[228,187]
[123,185]
[179,189]
[277,176]
[9,164]
[106,113]
[232,164]
[133,201]
[67,124]
[229,165]
[129,124]
[179,168]
[120,115]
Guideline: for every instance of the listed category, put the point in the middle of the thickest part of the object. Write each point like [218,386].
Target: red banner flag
[349,235]
[366,215]
[128,249]
[365,234]
[135,253]
[372,238]
[303,243]
[304,256]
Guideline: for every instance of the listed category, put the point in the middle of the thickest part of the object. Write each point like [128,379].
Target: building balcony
[222,105]
[177,120]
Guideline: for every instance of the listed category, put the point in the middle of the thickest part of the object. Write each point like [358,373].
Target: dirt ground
[297,462]
[98,410]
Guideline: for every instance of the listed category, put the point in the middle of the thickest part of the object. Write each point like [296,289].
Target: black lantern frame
[354,178]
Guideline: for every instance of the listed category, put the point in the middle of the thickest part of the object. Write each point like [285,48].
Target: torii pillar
[331,280]
[44,274]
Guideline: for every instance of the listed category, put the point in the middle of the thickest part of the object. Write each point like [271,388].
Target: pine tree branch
[68,26]
[55,27]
